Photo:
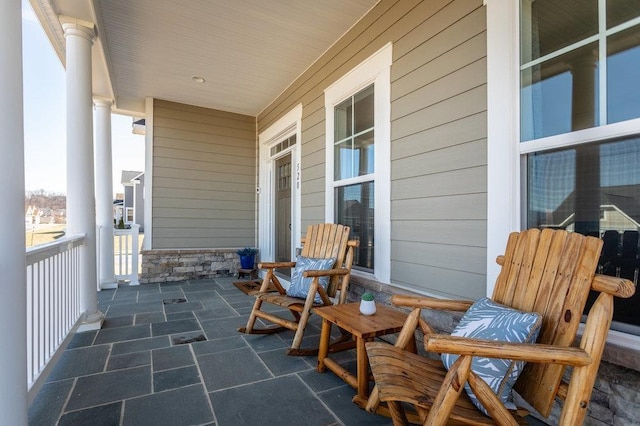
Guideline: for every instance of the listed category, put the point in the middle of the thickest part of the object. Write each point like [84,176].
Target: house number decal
[297,175]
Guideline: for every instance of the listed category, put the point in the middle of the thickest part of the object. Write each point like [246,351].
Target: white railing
[53,302]
[127,251]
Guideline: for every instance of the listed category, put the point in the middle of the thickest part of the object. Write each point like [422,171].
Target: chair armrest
[324,273]
[615,286]
[274,265]
[530,352]
[430,302]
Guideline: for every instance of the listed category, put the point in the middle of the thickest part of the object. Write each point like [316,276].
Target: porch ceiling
[247,51]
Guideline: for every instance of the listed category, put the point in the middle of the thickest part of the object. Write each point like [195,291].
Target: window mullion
[602,61]
[560,52]
[371,177]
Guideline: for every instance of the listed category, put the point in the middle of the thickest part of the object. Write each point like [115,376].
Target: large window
[579,82]
[358,160]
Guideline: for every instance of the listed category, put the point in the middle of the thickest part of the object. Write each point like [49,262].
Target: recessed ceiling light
[198,79]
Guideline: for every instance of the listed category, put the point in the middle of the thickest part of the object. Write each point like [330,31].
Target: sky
[44,117]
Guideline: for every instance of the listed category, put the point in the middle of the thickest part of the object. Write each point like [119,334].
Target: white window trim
[504,151]
[288,125]
[374,70]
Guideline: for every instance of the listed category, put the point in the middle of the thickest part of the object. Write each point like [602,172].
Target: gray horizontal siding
[204,178]
[454,207]
[460,285]
[462,232]
[438,137]
[438,170]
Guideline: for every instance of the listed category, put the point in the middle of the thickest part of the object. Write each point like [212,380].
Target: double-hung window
[358,160]
[354,171]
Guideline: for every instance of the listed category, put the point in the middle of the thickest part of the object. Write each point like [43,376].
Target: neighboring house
[35,216]
[29,218]
[433,128]
[133,200]
[118,209]
[619,210]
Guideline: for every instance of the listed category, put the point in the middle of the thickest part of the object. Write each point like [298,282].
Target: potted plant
[367,304]
[247,257]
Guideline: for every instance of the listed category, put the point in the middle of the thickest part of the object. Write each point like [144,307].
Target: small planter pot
[367,307]
[246,262]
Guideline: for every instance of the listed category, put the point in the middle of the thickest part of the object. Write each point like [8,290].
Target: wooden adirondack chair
[321,241]
[548,272]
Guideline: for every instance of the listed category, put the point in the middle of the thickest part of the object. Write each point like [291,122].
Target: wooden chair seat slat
[282,300]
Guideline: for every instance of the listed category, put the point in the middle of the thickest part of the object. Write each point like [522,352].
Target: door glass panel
[283,211]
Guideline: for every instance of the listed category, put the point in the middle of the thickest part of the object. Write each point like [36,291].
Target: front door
[283,211]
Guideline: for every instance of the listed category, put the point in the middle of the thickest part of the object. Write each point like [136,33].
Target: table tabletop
[348,317]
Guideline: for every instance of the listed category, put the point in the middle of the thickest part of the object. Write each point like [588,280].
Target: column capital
[102,102]
[78,27]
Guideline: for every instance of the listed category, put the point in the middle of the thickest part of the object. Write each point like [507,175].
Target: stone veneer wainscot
[176,265]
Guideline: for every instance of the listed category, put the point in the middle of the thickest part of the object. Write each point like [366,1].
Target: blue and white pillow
[489,320]
[300,285]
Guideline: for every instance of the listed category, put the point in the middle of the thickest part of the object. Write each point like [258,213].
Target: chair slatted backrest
[549,272]
[328,240]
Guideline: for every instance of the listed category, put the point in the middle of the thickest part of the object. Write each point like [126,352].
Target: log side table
[364,328]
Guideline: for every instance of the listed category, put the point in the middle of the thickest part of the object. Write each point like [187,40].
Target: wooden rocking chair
[548,272]
[326,241]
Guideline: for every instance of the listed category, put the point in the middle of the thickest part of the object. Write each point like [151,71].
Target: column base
[108,285]
[92,322]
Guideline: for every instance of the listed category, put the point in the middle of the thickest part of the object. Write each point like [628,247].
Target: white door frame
[286,126]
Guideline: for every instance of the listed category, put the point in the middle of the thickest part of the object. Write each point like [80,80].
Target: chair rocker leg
[302,320]
[342,343]
[252,318]
[266,330]
[251,329]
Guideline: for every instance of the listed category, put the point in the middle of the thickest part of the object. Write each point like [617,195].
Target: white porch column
[13,313]
[81,208]
[104,193]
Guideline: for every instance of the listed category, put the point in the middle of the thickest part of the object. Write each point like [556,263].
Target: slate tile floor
[169,354]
